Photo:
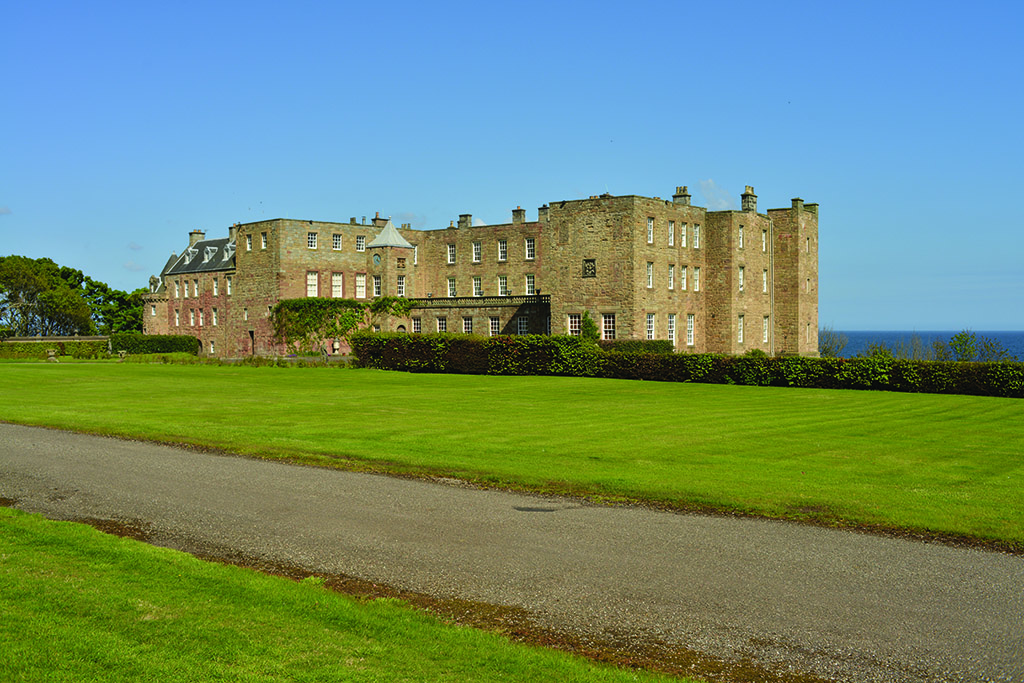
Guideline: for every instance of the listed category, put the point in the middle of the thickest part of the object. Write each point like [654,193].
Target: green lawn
[78,605]
[941,464]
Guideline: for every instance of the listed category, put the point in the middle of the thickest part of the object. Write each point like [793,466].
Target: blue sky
[124,125]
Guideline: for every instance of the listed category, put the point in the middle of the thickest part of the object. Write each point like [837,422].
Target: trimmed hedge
[37,349]
[135,343]
[637,345]
[572,356]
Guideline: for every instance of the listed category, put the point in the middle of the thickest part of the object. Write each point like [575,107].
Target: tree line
[964,346]
[41,298]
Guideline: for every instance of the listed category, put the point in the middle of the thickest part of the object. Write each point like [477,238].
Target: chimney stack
[542,213]
[195,236]
[749,200]
[465,220]
[681,196]
[798,204]
[518,215]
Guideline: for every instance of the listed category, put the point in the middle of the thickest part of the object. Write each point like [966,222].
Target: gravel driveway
[781,597]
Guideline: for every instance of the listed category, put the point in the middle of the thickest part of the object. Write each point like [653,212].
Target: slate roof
[389,237]
[204,256]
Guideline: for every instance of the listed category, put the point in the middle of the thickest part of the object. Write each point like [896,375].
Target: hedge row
[75,349]
[544,355]
[134,343]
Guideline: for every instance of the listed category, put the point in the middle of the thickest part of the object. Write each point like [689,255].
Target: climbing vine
[308,323]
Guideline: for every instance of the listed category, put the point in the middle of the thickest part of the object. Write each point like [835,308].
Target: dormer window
[229,251]
[190,254]
[208,253]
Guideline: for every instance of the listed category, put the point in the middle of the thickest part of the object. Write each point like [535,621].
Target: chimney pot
[749,200]
[681,196]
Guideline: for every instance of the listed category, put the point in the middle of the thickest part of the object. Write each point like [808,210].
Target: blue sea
[859,341]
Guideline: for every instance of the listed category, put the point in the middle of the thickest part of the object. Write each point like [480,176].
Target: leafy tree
[39,297]
[36,300]
[831,343]
[966,346]
[588,328]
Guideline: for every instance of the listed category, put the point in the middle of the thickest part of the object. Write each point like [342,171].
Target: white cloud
[133,267]
[4,210]
[716,198]
[416,220]
[134,246]
[478,221]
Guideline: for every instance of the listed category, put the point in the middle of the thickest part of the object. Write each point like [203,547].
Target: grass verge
[80,605]
[931,464]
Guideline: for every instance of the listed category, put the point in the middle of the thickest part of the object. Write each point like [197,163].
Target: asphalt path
[839,605]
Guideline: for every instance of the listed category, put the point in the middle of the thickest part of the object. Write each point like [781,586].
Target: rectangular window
[248,242]
[400,286]
[574,324]
[467,325]
[451,253]
[337,285]
[192,316]
[415,255]
[451,287]
[478,286]
[739,330]
[312,282]
[227,285]
[522,325]
[682,235]
[336,242]
[177,318]
[177,293]
[195,288]
[650,231]
[740,238]
[442,324]
[213,317]
[650,275]
[417,325]
[245,314]
[764,281]
[495,325]
[360,242]
[741,278]
[531,248]
[607,326]
[477,249]
[807,285]
[215,288]
[360,285]
[263,240]
[689,329]
[764,329]
[650,326]
[502,285]
[530,281]
[671,276]
[671,233]
[376,285]
[152,310]
[502,250]
[311,240]
[807,246]
[682,278]
[672,328]
[696,236]
[696,278]
[764,240]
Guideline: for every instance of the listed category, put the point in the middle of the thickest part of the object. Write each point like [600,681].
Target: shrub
[134,343]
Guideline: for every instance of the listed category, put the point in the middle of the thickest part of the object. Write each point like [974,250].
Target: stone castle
[644,268]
